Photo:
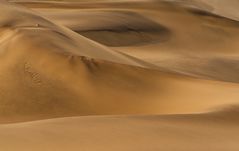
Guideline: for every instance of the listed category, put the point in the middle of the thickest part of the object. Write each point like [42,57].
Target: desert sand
[122,75]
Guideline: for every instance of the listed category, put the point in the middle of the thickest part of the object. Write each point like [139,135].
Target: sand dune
[127,28]
[55,73]
[119,75]
[175,132]
[222,7]
[203,49]
[25,23]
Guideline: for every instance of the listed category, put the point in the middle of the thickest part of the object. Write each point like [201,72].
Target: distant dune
[185,40]
[220,7]
[125,75]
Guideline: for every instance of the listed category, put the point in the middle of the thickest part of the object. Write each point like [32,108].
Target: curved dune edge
[222,7]
[47,84]
[28,24]
[126,29]
[198,43]
[124,133]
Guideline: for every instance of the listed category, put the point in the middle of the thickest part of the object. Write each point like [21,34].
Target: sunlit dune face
[147,55]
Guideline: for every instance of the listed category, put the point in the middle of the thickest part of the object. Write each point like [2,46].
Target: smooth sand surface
[213,131]
[119,75]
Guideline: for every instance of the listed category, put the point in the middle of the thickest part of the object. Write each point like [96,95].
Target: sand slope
[188,38]
[212,131]
[55,73]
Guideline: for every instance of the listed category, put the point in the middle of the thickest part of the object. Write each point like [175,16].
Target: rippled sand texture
[119,75]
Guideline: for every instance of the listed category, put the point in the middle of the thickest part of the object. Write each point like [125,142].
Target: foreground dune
[212,131]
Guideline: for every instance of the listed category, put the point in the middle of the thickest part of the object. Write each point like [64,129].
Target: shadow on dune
[126,29]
